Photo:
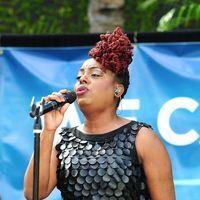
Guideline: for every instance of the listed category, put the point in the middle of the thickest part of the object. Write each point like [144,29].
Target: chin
[83,102]
[86,105]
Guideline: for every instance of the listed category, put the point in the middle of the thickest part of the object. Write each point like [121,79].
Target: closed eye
[78,77]
[95,75]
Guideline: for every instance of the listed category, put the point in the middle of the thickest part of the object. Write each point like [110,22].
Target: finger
[54,97]
[58,94]
[63,91]
[54,93]
[64,108]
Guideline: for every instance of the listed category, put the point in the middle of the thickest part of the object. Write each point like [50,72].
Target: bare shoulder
[156,164]
[148,143]
[146,136]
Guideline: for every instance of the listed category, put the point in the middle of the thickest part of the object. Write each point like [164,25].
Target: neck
[100,122]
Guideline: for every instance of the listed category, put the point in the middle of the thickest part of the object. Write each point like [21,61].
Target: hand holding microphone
[57,100]
[54,107]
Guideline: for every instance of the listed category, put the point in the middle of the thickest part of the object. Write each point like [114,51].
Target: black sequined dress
[102,166]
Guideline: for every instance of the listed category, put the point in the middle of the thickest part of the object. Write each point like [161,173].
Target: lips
[81,90]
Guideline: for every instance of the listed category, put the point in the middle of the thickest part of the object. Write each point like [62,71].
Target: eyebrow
[90,68]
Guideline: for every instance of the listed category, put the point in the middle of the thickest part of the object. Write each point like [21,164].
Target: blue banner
[164,92]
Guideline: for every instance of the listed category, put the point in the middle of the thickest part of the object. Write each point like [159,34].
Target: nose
[84,79]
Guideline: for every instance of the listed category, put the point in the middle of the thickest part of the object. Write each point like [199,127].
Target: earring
[117,91]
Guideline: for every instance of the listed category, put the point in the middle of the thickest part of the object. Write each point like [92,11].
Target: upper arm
[156,164]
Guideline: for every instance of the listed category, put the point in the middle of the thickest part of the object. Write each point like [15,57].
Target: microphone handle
[51,106]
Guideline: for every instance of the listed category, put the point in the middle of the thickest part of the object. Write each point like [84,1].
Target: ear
[118,90]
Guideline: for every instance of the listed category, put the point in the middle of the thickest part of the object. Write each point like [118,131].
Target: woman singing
[106,157]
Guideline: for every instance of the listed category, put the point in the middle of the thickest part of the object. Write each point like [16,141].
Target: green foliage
[143,15]
[43,16]
[155,15]
[186,16]
[70,16]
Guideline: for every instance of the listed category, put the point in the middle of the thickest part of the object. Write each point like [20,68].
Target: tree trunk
[105,15]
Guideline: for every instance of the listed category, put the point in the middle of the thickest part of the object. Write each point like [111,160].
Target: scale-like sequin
[101,166]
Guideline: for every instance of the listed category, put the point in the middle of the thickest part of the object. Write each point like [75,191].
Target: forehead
[90,64]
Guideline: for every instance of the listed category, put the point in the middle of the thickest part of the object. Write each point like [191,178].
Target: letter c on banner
[164,117]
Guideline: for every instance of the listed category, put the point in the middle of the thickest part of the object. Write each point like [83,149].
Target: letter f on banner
[164,117]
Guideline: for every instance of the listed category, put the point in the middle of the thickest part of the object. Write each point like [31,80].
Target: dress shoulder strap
[138,125]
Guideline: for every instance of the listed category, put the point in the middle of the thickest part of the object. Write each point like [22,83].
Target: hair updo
[114,52]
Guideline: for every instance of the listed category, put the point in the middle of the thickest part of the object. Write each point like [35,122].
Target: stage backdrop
[164,92]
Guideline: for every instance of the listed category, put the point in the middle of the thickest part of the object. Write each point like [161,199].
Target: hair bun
[113,51]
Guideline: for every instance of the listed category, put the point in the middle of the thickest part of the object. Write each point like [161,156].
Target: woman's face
[95,86]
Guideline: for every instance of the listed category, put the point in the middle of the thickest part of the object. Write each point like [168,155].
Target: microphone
[70,97]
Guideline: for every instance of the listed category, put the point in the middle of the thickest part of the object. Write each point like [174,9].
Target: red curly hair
[113,51]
